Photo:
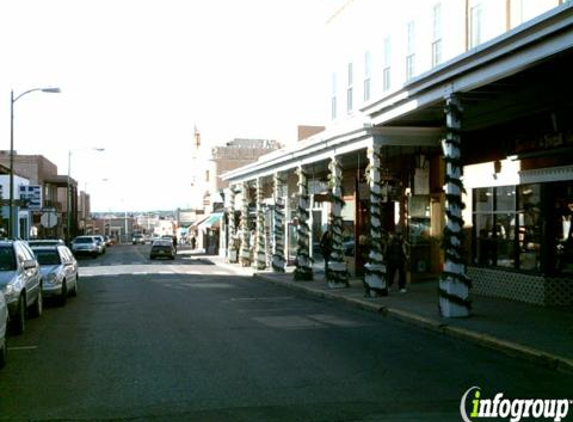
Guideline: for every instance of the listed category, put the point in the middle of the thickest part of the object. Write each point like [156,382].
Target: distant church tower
[196,138]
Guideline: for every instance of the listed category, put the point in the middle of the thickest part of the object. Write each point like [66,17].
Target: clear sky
[137,76]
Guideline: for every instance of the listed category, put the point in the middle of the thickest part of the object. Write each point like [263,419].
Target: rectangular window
[333,111]
[507,227]
[349,89]
[475,29]
[386,68]
[410,48]
[437,35]
[367,74]
[410,66]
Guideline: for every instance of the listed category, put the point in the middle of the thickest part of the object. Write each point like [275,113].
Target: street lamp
[11,217]
[69,196]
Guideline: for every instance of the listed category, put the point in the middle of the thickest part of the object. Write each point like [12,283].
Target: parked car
[45,242]
[3,329]
[108,241]
[59,271]
[85,245]
[102,245]
[162,249]
[20,282]
[138,239]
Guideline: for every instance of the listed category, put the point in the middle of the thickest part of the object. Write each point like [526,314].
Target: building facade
[457,141]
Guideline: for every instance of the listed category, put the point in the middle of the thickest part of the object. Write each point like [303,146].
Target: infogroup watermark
[474,407]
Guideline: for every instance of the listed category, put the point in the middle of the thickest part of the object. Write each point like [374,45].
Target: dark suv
[20,281]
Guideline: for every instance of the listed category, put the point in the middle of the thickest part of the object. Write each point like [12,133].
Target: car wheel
[64,295]
[18,323]
[74,293]
[38,307]
[3,354]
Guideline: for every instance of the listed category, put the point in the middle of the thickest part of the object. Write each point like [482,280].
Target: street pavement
[539,334]
[186,340]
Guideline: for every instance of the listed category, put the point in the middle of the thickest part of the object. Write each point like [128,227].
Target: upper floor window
[333,111]
[437,35]
[386,64]
[367,74]
[349,88]
[410,50]
[475,25]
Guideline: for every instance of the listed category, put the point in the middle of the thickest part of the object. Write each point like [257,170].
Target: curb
[507,347]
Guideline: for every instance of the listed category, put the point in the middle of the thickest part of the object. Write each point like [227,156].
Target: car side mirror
[30,263]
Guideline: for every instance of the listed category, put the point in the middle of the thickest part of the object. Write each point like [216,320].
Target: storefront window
[507,227]
[530,227]
[563,227]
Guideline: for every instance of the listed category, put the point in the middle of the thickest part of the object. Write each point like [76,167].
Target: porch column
[231,249]
[336,275]
[278,262]
[375,269]
[303,271]
[454,283]
[261,249]
[245,256]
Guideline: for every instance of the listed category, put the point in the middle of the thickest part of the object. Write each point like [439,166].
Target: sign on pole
[32,197]
[49,219]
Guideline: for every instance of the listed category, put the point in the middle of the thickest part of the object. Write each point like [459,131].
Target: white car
[87,245]
[59,271]
[3,327]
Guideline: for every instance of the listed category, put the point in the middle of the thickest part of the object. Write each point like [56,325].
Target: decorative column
[454,283]
[261,249]
[303,271]
[336,275]
[375,282]
[245,255]
[278,262]
[231,249]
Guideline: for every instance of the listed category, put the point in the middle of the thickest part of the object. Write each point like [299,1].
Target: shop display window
[530,226]
[419,219]
[563,228]
[507,227]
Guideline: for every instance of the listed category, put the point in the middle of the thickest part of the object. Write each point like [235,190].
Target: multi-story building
[39,171]
[208,164]
[435,103]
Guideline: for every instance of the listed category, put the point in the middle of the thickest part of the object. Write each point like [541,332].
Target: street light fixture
[69,196]
[11,217]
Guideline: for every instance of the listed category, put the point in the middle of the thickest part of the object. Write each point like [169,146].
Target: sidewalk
[539,334]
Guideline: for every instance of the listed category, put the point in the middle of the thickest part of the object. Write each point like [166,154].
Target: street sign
[49,219]
[33,195]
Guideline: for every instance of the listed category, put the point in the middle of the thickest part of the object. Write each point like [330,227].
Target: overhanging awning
[213,219]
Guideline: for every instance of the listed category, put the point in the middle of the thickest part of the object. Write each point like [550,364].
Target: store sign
[548,141]
[31,197]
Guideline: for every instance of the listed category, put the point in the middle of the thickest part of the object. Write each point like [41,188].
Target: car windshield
[83,240]
[47,256]
[7,258]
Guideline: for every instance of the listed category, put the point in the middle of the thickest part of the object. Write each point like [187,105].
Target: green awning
[213,219]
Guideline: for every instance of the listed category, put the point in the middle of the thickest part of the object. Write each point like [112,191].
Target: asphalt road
[186,341]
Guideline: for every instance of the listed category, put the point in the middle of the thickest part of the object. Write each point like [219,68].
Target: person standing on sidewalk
[396,258]
[326,248]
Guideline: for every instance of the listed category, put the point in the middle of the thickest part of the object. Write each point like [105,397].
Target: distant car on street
[138,239]
[59,271]
[3,329]
[20,282]
[162,249]
[102,245]
[85,245]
